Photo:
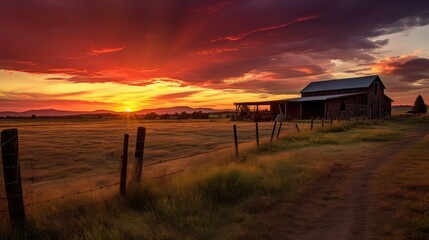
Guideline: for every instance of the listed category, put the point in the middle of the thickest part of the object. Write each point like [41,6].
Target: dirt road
[339,206]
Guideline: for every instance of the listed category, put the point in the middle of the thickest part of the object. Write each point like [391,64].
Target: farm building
[331,99]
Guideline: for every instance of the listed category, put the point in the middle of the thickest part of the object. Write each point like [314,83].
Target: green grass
[221,202]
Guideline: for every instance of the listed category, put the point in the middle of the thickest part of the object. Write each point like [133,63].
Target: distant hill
[51,113]
[56,113]
[178,109]
[401,109]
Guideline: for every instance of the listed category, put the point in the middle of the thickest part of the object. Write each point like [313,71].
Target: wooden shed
[331,99]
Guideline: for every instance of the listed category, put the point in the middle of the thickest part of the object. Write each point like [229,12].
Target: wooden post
[235,141]
[124,163]
[274,129]
[278,132]
[323,122]
[312,120]
[297,128]
[12,177]
[141,137]
[257,135]
[350,116]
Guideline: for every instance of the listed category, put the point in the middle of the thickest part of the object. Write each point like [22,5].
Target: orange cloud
[390,64]
[96,52]
[216,51]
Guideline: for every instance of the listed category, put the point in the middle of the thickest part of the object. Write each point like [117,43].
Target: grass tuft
[142,197]
[230,186]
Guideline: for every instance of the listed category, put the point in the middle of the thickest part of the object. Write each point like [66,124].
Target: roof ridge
[343,83]
[342,79]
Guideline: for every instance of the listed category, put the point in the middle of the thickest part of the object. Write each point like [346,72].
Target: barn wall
[376,104]
[313,109]
[293,110]
[387,107]
[353,106]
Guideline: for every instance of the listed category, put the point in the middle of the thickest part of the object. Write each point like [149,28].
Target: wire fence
[56,159]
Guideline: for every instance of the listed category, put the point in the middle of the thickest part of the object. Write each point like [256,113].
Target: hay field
[61,156]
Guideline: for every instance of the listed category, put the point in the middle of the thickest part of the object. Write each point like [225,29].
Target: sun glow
[128,110]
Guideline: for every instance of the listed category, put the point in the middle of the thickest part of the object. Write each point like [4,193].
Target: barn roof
[388,98]
[302,99]
[337,84]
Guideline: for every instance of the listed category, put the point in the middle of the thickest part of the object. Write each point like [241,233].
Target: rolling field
[60,156]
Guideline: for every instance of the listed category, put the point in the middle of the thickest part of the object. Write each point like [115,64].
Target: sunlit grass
[220,199]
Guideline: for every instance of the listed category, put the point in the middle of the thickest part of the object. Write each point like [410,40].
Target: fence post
[278,132]
[323,122]
[312,120]
[274,129]
[141,137]
[297,128]
[12,177]
[235,141]
[257,134]
[124,162]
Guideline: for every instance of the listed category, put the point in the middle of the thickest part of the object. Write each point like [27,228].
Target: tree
[151,116]
[419,105]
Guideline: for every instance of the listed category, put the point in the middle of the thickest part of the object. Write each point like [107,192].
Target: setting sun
[127,110]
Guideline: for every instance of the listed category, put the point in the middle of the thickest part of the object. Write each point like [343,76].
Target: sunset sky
[117,55]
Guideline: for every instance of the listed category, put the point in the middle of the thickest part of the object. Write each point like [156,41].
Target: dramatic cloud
[269,47]
[176,96]
[409,69]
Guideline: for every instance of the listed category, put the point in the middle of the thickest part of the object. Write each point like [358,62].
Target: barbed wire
[71,194]
[245,134]
[63,196]
[166,175]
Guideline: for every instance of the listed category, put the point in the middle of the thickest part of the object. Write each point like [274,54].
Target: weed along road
[344,202]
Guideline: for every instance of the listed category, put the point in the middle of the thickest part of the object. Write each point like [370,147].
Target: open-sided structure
[331,99]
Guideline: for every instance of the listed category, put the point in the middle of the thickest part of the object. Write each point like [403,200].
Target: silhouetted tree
[419,105]
[151,116]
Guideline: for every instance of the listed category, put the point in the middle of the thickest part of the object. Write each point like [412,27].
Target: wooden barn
[331,99]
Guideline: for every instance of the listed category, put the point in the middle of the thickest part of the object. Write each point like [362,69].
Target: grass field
[225,199]
[59,156]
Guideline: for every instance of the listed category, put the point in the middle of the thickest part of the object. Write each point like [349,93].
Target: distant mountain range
[179,109]
[56,113]
[169,110]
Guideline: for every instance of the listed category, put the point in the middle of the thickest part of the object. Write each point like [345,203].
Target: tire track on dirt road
[322,214]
